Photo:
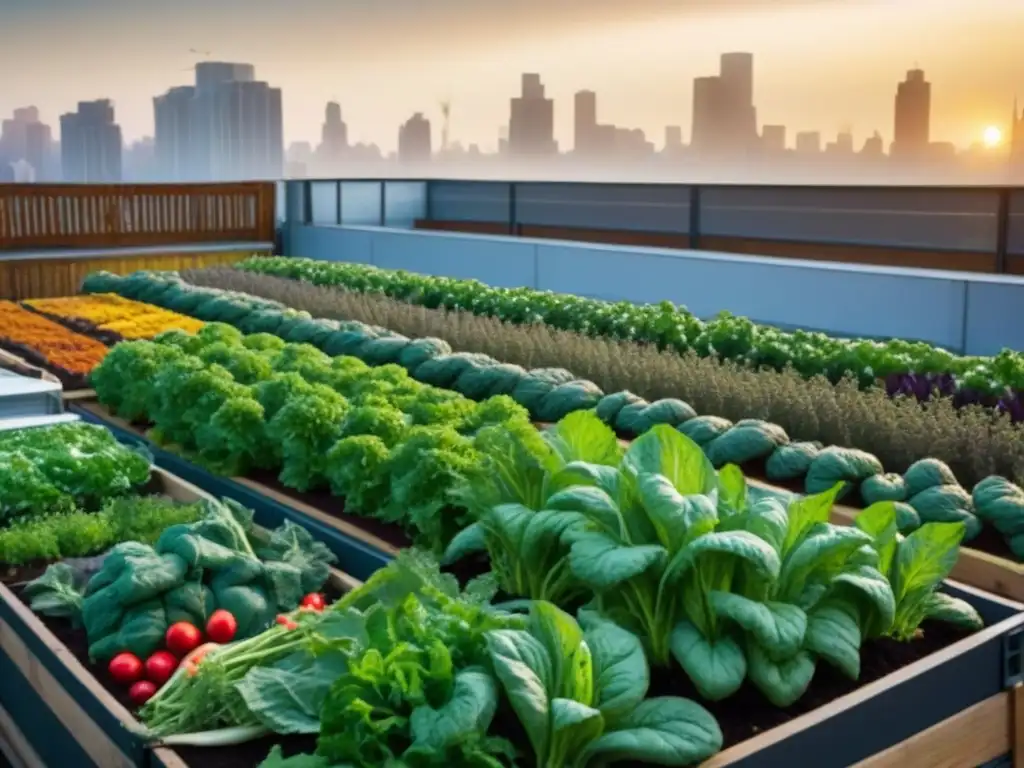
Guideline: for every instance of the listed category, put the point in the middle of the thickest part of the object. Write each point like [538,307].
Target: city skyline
[965,48]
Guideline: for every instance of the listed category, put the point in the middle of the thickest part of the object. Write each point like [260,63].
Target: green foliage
[191,571]
[52,470]
[664,324]
[132,518]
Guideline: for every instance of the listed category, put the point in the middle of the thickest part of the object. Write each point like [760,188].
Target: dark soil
[22,574]
[747,713]
[335,507]
[70,381]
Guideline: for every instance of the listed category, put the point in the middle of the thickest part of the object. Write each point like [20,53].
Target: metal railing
[978,228]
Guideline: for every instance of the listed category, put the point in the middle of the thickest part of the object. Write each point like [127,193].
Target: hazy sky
[819,64]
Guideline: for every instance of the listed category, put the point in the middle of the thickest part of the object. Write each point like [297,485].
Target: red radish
[191,661]
[160,666]
[221,627]
[141,692]
[286,622]
[182,637]
[125,668]
[314,600]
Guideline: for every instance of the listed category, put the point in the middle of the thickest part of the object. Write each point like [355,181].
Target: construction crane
[446,116]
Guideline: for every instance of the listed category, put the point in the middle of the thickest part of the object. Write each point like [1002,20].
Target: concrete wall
[977,314]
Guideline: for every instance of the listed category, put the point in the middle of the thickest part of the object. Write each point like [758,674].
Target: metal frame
[514,227]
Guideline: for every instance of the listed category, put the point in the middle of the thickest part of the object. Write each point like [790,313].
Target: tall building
[24,138]
[874,147]
[531,130]
[227,127]
[90,143]
[172,139]
[773,138]
[724,116]
[414,140]
[913,107]
[333,135]
[584,122]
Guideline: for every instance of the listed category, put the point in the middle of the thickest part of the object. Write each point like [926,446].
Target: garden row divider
[54,692]
[361,553]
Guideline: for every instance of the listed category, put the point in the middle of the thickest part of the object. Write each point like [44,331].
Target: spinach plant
[580,694]
[916,566]
[730,590]
[516,505]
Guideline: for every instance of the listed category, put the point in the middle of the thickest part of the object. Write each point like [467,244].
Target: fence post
[337,203]
[512,212]
[1002,229]
[695,196]
[383,203]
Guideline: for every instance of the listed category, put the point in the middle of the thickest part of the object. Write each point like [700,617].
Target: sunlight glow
[992,136]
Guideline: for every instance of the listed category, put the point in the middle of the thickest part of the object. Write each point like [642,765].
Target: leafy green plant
[732,591]
[580,694]
[916,565]
[514,500]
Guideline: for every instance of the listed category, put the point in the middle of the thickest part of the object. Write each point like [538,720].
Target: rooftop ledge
[682,253]
[129,252]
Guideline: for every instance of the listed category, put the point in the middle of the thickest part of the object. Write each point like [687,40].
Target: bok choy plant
[515,503]
[732,592]
[580,694]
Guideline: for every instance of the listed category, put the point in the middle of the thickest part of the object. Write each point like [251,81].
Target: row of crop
[67,335]
[673,327]
[927,491]
[678,567]
[391,446]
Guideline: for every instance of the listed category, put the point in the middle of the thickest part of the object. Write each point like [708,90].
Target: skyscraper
[333,134]
[913,107]
[228,126]
[673,138]
[808,142]
[532,121]
[24,137]
[584,121]
[707,114]
[773,138]
[414,140]
[172,138]
[90,143]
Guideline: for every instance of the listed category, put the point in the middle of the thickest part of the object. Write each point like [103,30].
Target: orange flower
[53,342]
[109,312]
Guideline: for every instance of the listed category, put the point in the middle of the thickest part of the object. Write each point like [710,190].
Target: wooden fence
[68,216]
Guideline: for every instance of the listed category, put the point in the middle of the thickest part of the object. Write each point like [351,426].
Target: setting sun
[992,136]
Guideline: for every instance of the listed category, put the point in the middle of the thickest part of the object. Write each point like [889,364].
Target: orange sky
[819,64]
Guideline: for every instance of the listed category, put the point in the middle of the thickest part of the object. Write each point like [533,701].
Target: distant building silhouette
[808,142]
[172,138]
[90,143]
[585,122]
[414,140]
[24,138]
[333,136]
[724,116]
[228,126]
[773,138]
[531,130]
[913,105]
[6,172]
[842,146]
[874,147]
[673,138]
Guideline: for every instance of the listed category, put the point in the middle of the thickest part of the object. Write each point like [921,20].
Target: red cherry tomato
[125,668]
[160,666]
[141,692]
[221,627]
[182,637]
[314,600]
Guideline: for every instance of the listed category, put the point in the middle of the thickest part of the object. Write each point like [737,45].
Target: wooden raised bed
[952,709]
[53,710]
